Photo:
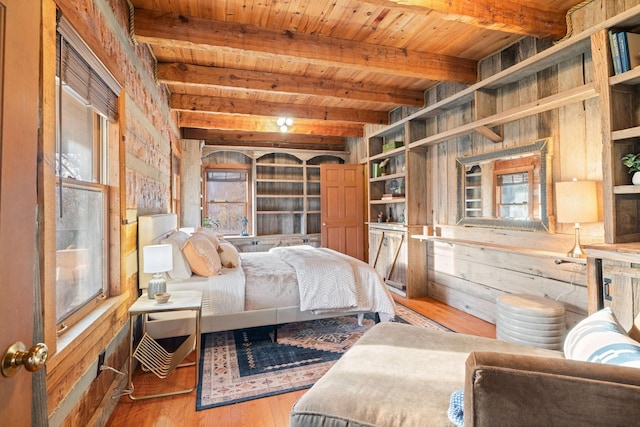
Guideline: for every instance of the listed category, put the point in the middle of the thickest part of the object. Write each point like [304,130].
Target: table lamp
[576,202]
[158,259]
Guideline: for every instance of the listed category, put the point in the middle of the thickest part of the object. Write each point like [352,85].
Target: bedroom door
[19,118]
[342,208]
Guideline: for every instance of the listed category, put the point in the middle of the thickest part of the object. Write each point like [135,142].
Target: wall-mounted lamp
[284,123]
[576,202]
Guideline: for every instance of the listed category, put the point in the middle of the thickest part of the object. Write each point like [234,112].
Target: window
[516,181]
[227,195]
[513,195]
[85,104]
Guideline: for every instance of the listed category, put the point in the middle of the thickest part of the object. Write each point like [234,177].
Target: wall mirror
[508,188]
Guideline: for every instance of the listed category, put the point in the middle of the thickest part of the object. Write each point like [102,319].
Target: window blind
[84,73]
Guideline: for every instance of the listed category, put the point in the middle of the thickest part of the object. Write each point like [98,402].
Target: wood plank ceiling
[234,66]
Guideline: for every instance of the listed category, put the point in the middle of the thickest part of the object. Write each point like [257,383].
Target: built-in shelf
[558,257]
[626,189]
[631,77]
[622,134]
[388,153]
[280,196]
[287,196]
[386,177]
[283,212]
[294,181]
[385,201]
[558,100]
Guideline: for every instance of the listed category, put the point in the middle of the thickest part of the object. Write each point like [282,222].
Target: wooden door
[19,106]
[342,208]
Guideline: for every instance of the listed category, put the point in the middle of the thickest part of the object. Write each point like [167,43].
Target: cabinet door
[388,254]
[622,289]
[396,260]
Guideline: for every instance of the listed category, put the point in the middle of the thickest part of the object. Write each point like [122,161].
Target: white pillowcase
[228,255]
[601,339]
[181,269]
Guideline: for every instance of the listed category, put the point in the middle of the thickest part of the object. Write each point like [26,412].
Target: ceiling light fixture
[284,123]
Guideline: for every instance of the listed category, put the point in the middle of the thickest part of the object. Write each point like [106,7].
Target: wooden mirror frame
[541,146]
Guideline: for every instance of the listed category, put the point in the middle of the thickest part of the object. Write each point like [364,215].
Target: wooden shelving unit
[287,196]
[620,133]
[397,208]
[620,102]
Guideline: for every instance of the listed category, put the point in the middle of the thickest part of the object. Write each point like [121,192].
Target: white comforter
[331,281]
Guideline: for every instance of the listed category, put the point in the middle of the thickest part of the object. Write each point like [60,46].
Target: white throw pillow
[181,269]
[601,339]
[228,255]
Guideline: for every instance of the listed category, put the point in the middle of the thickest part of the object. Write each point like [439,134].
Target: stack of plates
[530,320]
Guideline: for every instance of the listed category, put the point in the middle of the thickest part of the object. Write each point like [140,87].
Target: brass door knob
[17,355]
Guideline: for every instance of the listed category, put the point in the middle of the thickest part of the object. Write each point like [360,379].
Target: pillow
[210,235]
[228,255]
[601,339]
[181,269]
[202,256]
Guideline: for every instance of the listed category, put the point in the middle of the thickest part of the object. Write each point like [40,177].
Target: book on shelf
[625,50]
[391,196]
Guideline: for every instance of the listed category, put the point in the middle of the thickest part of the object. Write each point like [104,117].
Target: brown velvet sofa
[402,375]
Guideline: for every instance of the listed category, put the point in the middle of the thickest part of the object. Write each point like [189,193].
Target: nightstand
[150,353]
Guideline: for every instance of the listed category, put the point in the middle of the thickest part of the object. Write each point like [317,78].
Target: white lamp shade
[576,201]
[157,258]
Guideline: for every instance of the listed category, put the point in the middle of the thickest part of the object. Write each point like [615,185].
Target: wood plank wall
[470,276]
[146,135]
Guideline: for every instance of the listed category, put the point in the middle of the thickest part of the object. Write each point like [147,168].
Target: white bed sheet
[223,293]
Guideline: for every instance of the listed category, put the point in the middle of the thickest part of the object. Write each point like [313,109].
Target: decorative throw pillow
[601,339]
[209,235]
[228,255]
[181,269]
[202,256]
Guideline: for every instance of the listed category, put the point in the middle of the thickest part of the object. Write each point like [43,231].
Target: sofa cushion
[601,339]
[395,375]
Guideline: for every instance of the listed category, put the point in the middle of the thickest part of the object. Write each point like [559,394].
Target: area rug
[245,364]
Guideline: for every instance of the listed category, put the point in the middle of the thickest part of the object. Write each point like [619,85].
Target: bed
[284,285]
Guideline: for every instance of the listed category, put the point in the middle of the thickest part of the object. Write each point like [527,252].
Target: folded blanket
[456,408]
[326,281]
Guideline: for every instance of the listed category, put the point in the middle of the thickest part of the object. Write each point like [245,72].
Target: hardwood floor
[266,412]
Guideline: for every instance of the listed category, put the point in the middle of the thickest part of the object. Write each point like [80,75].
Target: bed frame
[152,229]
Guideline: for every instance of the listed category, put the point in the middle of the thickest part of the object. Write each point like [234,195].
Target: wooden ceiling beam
[198,75]
[263,139]
[214,104]
[267,124]
[511,16]
[171,30]
[274,145]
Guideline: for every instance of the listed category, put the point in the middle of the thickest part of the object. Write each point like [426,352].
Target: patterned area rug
[245,364]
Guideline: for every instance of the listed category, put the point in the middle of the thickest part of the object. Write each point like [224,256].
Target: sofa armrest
[502,389]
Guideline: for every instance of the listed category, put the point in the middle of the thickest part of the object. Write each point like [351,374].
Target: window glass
[80,255]
[83,103]
[514,195]
[227,207]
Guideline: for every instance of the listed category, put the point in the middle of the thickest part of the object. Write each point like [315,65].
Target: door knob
[324,224]
[17,355]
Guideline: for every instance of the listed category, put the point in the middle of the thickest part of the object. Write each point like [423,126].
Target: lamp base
[577,251]
[156,285]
